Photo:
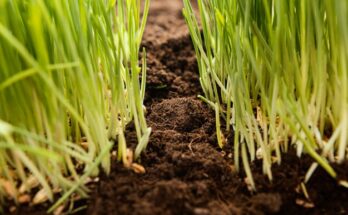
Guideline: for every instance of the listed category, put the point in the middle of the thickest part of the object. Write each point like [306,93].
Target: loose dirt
[186,173]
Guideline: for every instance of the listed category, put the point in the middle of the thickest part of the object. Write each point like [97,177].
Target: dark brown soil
[186,173]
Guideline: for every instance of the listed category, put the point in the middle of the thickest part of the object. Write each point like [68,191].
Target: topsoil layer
[186,173]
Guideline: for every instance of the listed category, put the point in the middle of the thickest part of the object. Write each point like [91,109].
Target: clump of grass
[277,72]
[69,84]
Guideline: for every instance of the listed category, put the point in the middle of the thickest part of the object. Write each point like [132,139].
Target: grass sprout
[278,72]
[69,85]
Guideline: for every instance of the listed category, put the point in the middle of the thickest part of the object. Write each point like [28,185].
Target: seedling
[69,84]
[278,72]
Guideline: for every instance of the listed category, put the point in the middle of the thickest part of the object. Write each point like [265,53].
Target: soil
[186,172]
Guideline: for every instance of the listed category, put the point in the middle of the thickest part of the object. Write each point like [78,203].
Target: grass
[69,84]
[276,72]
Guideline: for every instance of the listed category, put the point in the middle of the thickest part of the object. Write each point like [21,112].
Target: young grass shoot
[69,84]
[277,73]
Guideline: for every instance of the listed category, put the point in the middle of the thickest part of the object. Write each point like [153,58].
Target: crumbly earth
[186,173]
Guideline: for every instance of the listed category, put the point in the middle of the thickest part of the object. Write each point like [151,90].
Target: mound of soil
[186,173]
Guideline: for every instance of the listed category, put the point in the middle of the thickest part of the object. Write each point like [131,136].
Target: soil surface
[186,173]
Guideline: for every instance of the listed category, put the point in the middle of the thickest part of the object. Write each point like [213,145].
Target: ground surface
[186,173]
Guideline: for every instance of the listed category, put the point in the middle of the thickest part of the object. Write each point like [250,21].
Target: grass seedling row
[276,72]
[69,85]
